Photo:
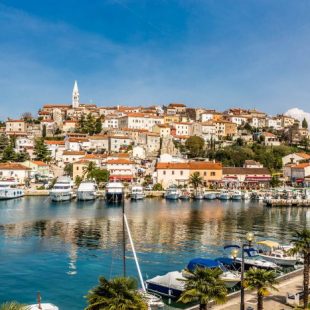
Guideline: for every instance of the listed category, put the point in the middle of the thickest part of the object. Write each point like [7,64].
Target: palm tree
[204,285]
[196,180]
[301,245]
[260,280]
[13,305]
[89,170]
[118,293]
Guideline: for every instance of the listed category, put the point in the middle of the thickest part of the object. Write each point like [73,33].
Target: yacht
[236,195]
[185,195]
[137,192]
[224,195]
[9,190]
[172,193]
[88,190]
[276,254]
[114,192]
[245,195]
[209,196]
[62,189]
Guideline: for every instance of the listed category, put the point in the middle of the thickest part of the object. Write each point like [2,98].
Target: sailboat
[154,302]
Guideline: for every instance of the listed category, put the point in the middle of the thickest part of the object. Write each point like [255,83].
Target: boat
[114,192]
[62,189]
[88,190]
[245,195]
[9,190]
[276,254]
[198,196]
[236,195]
[230,278]
[209,196]
[185,195]
[224,195]
[44,306]
[172,193]
[137,192]
[252,259]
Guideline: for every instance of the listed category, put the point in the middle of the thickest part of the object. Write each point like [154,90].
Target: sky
[204,53]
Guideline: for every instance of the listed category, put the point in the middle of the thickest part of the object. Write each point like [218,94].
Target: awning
[269,243]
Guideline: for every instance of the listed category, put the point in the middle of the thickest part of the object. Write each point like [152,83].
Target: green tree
[9,153]
[203,286]
[22,156]
[262,281]
[275,182]
[158,187]
[90,124]
[81,125]
[98,126]
[196,180]
[13,305]
[304,124]
[301,245]
[90,170]
[44,131]
[41,151]
[195,146]
[78,180]
[68,169]
[4,141]
[118,293]
[99,175]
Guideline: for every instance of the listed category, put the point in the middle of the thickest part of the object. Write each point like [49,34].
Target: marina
[76,241]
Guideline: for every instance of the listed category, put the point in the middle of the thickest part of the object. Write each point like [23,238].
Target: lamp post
[249,237]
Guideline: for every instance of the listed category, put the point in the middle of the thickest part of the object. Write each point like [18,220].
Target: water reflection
[75,242]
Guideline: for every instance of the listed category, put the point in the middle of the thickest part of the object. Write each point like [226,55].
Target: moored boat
[209,196]
[9,190]
[236,195]
[114,192]
[185,195]
[62,189]
[88,190]
[224,195]
[172,193]
[137,192]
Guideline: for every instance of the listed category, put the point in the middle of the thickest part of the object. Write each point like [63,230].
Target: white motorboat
[9,190]
[198,196]
[114,192]
[236,195]
[209,196]
[245,195]
[88,190]
[62,189]
[172,193]
[137,192]
[276,254]
[43,306]
[224,195]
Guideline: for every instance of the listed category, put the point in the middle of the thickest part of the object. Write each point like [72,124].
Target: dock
[288,203]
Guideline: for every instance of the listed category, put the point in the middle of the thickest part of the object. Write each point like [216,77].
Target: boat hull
[163,290]
[137,196]
[172,196]
[11,194]
[210,196]
[236,197]
[58,197]
[114,197]
[280,261]
[86,195]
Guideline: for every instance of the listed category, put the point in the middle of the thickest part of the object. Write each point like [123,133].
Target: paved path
[276,301]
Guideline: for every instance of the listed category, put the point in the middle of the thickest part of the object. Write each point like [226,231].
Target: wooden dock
[288,203]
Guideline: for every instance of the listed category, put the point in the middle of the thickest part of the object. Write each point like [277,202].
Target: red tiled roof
[73,153]
[195,165]
[120,161]
[54,142]
[13,166]
[39,163]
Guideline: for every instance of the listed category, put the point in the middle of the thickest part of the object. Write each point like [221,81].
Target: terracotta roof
[301,166]
[95,156]
[73,153]
[119,155]
[98,137]
[54,142]
[78,139]
[176,105]
[81,161]
[57,106]
[13,166]
[39,163]
[303,155]
[120,161]
[244,171]
[195,165]
[15,121]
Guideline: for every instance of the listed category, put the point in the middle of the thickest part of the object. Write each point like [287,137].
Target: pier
[288,203]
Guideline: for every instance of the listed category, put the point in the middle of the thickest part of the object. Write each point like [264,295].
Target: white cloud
[298,114]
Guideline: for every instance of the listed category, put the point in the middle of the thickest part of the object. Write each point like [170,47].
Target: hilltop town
[155,146]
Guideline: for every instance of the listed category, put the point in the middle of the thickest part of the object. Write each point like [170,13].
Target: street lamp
[249,237]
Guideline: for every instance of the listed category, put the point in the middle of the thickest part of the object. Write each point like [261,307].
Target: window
[164,172]
[205,173]
[181,172]
[212,174]
[172,172]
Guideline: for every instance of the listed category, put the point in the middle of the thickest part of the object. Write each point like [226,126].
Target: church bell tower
[75,96]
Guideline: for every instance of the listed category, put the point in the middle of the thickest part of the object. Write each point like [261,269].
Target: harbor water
[60,249]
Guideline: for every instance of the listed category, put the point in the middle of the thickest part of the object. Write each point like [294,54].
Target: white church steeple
[75,96]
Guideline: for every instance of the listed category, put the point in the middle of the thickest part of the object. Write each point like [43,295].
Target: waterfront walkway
[276,301]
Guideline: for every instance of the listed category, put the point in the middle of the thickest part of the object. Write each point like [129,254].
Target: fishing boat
[114,192]
[9,190]
[224,195]
[276,254]
[209,196]
[236,195]
[172,193]
[137,192]
[62,189]
[88,190]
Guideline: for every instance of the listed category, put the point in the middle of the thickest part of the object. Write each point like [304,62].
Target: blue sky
[213,54]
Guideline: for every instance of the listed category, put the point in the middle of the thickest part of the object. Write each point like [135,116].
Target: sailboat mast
[124,235]
[134,254]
